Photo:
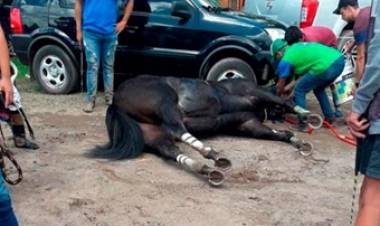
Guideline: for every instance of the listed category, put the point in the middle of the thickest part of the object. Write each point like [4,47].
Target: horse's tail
[126,138]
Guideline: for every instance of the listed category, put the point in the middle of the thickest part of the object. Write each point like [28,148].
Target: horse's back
[143,96]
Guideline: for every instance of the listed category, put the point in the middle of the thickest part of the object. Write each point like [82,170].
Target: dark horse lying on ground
[155,111]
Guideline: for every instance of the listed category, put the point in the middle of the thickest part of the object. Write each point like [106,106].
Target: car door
[164,43]
[61,17]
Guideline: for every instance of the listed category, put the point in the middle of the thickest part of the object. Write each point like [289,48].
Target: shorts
[368,156]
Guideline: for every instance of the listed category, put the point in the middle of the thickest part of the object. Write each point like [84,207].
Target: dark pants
[7,216]
[318,83]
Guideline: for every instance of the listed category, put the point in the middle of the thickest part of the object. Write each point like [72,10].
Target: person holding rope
[7,216]
[364,124]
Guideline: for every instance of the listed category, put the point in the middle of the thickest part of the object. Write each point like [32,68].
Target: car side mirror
[182,10]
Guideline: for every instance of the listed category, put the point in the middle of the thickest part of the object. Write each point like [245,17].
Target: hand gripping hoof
[215,178]
[305,149]
[223,163]
[314,121]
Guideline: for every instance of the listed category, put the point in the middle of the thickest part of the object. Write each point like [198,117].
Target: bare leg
[369,203]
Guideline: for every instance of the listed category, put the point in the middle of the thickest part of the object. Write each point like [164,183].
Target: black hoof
[215,178]
[223,163]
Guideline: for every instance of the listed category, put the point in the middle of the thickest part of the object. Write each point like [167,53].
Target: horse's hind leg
[173,124]
[157,140]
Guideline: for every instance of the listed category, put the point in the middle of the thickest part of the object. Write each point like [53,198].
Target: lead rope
[354,191]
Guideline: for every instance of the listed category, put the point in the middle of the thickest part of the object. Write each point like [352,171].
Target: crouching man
[314,66]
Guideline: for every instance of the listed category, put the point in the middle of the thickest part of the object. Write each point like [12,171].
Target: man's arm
[127,13]
[360,62]
[369,86]
[5,80]
[281,86]
[78,20]
[284,71]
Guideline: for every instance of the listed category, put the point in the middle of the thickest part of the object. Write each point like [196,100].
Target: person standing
[97,29]
[364,123]
[7,216]
[350,12]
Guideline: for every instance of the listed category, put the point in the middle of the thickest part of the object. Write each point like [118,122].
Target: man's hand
[7,90]
[347,47]
[121,26]
[356,125]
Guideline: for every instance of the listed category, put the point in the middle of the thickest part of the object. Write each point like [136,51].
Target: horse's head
[277,112]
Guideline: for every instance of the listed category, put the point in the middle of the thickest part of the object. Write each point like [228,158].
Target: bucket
[343,86]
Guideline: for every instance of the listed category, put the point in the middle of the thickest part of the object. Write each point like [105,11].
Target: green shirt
[313,58]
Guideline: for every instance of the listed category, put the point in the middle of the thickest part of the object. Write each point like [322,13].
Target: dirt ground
[270,183]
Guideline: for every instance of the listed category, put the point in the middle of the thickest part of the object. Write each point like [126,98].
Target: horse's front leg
[268,99]
[254,128]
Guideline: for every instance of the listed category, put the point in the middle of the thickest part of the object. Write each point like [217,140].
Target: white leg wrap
[184,160]
[185,136]
[194,142]
[294,139]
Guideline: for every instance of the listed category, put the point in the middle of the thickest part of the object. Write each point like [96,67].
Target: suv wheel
[54,70]
[231,68]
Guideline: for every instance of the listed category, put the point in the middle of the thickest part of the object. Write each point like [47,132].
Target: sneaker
[89,107]
[22,142]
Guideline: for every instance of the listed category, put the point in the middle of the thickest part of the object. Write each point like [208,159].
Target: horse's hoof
[215,178]
[305,149]
[314,121]
[223,163]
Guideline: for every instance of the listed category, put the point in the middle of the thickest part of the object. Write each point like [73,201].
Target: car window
[34,2]
[69,4]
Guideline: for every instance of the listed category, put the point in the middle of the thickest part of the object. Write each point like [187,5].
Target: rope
[353,199]
[341,137]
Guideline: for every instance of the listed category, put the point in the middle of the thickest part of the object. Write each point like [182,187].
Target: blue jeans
[318,83]
[7,216]
[99,48]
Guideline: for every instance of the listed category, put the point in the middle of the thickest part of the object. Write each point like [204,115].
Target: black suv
[189,38]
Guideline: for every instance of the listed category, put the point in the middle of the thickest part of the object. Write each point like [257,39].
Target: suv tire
[55,70]
[231,68]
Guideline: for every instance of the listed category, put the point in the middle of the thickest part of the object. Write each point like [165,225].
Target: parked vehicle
[190,38]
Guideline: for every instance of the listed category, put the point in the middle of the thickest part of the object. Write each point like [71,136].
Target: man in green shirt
[316,66]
